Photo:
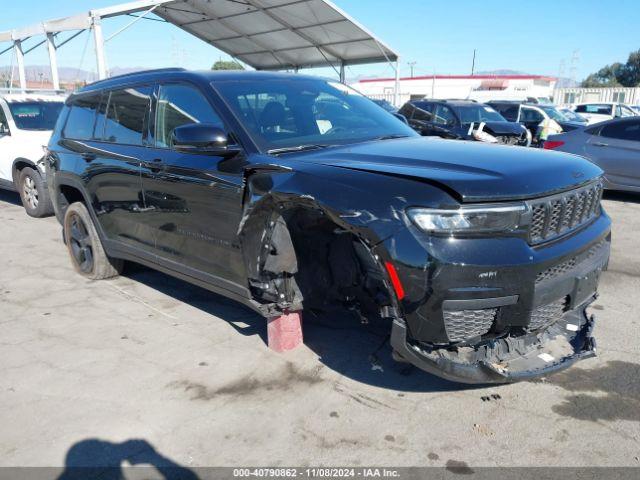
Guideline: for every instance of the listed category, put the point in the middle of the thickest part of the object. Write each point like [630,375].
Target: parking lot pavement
[105,370]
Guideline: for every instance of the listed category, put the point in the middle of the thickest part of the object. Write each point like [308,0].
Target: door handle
[600,144]
[88,156]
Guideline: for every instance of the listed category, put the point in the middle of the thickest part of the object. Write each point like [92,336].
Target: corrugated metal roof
[265,34]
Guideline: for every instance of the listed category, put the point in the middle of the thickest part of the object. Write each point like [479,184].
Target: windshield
[553,113]
[297,112]
[573,116]
[35,115]
[477,114]
[594,108]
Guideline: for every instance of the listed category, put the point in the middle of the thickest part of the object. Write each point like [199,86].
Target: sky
[546,37]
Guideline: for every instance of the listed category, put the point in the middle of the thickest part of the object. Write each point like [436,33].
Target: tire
[85,248]
[34,193]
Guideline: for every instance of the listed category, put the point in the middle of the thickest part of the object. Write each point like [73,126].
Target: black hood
[476,171]
[504,128]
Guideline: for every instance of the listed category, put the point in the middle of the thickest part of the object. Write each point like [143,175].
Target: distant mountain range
[35,73]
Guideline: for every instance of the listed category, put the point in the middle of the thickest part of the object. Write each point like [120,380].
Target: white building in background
[571,96]
[475,87]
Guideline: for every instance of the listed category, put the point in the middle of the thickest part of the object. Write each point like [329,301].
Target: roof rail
[139,72]
[459,100]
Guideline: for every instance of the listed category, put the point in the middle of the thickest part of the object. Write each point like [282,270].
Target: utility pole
[411,66]
[473,62]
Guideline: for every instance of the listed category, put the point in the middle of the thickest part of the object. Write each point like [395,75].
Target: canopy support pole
[99,42]
[343,74]
[53,61]
[17,46]
[396,89]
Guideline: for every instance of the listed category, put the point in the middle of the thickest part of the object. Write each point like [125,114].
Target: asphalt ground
[146,368]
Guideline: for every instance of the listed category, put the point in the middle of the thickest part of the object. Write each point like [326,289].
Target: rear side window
[127,116]
[4,126]
[510,112]
[181,105]
[622,131]
[406,110]
[531,115]
[423,111]
[82,116]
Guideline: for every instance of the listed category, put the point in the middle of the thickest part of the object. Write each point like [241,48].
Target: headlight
[472,219]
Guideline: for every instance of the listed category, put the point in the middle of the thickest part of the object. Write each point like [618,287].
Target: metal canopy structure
[264,34]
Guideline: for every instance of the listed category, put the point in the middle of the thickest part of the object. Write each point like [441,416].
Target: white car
[603,111]
[26,123]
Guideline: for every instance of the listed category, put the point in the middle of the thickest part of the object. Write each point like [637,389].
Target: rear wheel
[85,248]
[34,193]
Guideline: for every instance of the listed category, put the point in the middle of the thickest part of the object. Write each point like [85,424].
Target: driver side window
[444,116]
[179,105]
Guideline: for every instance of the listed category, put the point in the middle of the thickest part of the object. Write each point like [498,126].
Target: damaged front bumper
[504,360]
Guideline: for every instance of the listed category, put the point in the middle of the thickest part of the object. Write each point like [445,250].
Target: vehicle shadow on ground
[98,459]
[358,351]
[10,197]
[619,196]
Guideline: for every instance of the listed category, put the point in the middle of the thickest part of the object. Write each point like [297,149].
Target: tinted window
[32,115]
[530,115]
[595,108]
[82,115]
[510,112]
[444,116]
[126,115]
[423,111]
[181,105]
[478,113]
[302,111]
[4,126]
[407,110]
[622,131]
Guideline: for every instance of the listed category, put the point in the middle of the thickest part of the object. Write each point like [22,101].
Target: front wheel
[34,193]
[85,248]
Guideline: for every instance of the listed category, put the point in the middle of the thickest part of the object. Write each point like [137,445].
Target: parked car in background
[385,104]
[613,145]
[287,192]
[462,120]
[26,122]
[541,120]
[573,116]
[603,111]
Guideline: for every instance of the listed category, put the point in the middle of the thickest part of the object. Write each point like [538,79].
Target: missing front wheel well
[308,261]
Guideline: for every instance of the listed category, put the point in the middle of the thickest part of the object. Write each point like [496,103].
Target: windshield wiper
[391,137]
[298,148]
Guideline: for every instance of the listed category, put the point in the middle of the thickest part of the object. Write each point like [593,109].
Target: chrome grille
[559,214]
[545,315]
[465,324]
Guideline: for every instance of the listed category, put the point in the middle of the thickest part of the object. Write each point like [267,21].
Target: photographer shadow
[99,459]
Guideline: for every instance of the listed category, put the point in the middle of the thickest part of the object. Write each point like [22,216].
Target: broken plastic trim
[506,360]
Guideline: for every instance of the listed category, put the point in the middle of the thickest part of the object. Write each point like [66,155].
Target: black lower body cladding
[498,310]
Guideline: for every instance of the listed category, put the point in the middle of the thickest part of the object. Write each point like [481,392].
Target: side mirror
[4,130]
[399,116]
[202,138]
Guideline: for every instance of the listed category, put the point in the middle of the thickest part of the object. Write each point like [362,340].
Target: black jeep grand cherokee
[286,192]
